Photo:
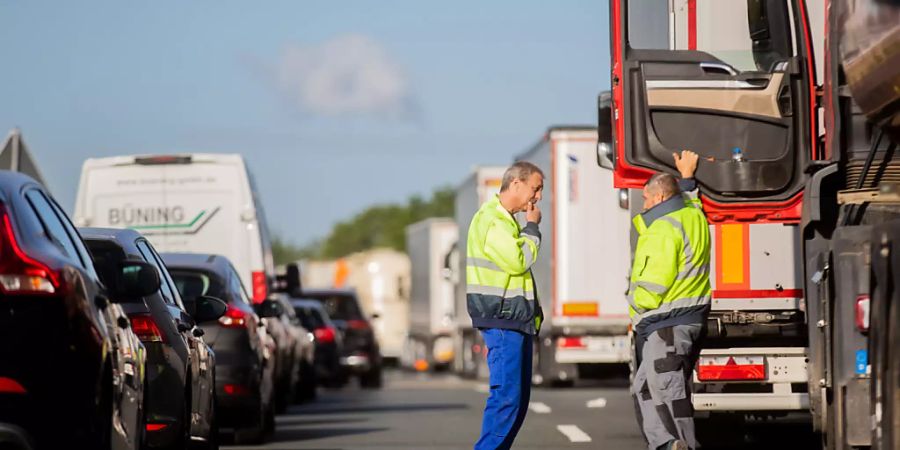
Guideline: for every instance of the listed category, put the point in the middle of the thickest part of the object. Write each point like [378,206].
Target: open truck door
[732,80]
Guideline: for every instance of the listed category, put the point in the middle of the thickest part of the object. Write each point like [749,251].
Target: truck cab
[734,81]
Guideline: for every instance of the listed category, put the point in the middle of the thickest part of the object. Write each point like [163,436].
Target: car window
[164,287]
[340,307]
[76,238]
[53,226]
[167,279]
[191,283]
[317,316]
[237,288]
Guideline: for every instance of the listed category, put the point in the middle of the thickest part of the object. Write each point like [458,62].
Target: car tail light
[145,328]
[234,317]
[570,342]
[731,368]
[20,273]
[325,334]
[260,289]
[236,389]
[156,426]
[358,324]
[10,386]
[862,313]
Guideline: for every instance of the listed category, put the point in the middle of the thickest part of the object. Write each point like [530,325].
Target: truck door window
[748,35]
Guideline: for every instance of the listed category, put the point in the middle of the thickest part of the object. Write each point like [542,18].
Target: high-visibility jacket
[500,290]
[670,272]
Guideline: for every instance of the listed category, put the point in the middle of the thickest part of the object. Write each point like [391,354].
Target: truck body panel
[428,244]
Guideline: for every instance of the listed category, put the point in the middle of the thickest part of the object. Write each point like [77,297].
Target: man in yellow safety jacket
[501,298]
[669,300]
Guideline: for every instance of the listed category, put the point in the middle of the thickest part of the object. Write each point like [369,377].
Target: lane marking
[573,433]
[483,388]
[540,408]
[597,403]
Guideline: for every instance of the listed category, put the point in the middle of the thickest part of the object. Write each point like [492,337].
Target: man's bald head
[659,188]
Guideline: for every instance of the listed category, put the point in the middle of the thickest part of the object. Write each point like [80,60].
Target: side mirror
[136,279]
[289,282]
[605,152]
[269,308]
[205,308]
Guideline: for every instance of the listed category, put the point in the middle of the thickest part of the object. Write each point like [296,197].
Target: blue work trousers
[509,361]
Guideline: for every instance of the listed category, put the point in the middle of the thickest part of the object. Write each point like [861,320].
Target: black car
[328,341]
[361,355]
[180,391]
[244,367]
[71,369]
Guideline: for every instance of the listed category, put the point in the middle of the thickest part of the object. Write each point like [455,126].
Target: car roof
[110,234]
[306,303]
[205,261]
[11,182]
[327,291]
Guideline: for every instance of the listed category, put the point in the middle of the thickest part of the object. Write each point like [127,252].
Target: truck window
[748,35]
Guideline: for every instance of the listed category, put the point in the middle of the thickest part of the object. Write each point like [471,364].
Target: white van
[199,203]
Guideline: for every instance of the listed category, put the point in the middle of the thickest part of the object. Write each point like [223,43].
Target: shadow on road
[401,408]
[292,434]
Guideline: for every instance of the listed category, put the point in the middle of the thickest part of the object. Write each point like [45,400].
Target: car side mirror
[269,308]
[605,152]
[136,279]
[205,308]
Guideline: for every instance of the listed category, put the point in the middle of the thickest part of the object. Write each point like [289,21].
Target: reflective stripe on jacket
[670,273]
[500,290]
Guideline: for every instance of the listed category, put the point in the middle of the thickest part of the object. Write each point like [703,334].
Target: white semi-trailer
[582,267]
[468,348]
[431,308]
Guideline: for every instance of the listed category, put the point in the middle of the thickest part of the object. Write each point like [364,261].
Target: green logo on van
[190,227]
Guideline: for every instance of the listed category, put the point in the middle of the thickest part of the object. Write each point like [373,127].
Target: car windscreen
[339,306]
[194,283]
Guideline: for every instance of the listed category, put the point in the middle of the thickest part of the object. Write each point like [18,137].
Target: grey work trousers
[662,385]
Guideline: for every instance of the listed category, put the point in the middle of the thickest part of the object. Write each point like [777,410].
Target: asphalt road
[419,411]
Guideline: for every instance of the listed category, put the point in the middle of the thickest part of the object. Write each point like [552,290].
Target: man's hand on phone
[533,213]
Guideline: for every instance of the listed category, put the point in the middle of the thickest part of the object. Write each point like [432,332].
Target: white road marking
[573,433]
[483,388]
[597,403]
[539,408]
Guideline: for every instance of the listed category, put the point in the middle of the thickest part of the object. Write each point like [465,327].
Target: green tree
[284,251]
[385,225]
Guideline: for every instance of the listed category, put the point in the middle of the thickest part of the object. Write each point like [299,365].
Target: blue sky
[336,105]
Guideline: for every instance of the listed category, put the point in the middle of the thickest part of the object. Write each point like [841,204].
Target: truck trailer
[431,306]
[468,347]
[582,268]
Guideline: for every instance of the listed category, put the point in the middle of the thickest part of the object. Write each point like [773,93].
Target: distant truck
[468,348]
[431,308]
[380,278]
[582,267]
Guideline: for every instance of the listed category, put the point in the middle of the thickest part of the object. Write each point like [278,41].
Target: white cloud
[347,75]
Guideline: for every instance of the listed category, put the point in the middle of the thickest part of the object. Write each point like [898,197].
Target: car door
[202,359]
[715,76]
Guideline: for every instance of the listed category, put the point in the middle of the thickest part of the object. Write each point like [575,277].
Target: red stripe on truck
[758,293]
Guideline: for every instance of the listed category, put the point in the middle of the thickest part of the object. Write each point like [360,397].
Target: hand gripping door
[729,79]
